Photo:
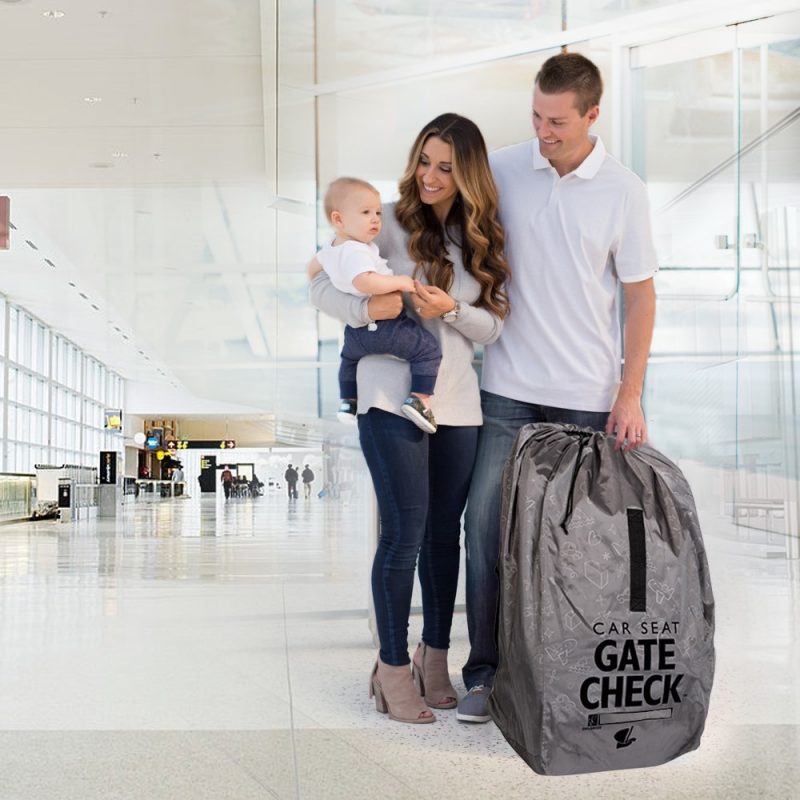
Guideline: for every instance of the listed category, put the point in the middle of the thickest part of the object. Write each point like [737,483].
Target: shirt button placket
[554,191]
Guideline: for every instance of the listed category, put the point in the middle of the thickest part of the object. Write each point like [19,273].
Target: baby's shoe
[347,412]
[422,417]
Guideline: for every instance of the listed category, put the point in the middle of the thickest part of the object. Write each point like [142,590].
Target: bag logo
[624,738]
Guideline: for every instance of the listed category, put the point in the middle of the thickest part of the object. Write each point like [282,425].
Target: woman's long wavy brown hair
[473,215]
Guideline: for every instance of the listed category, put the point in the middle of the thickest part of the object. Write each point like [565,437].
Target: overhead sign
[5,223]
[153,442]
[200,444]
[113,417]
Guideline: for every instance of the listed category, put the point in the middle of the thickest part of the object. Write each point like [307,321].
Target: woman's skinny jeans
[421,482]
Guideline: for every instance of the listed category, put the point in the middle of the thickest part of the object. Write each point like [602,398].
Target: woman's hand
[385,306]
[430,301]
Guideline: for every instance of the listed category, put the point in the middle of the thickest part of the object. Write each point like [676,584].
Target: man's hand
[626,420]
[385,306]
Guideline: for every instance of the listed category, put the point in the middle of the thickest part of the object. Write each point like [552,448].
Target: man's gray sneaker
[473,706]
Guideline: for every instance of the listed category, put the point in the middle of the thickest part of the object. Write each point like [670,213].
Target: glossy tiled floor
[208,650]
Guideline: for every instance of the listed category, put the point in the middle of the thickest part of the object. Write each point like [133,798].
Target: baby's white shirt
[344,261]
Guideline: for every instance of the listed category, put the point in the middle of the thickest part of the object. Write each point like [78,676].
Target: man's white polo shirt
[568,241]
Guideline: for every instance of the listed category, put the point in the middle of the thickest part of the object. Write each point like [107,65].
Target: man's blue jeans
[502,419]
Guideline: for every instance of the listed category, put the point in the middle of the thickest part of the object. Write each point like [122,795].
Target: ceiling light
[54,14]
[119,154]
[91,99]
[101,165]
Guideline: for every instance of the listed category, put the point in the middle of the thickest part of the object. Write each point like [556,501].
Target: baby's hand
[405,283]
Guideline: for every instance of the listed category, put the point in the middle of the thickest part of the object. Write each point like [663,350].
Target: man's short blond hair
[338,189]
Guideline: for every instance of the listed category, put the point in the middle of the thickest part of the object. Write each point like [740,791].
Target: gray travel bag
[606,615]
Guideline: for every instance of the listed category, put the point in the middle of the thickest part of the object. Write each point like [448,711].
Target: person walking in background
[443,231]
[308,479]
[177,480]
[577,226]
[227,482]
[290,476]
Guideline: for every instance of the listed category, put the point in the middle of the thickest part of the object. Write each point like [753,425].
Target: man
[290,476]
[577,225]
[227,482]
[177,480]
[308,479]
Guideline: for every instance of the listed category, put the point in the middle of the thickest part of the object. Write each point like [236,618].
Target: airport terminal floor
[209,649]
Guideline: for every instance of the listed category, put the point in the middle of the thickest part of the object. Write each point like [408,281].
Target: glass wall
[718,141]
[55,399]
[709,120]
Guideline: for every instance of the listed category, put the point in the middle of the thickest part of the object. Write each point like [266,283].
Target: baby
[354,265]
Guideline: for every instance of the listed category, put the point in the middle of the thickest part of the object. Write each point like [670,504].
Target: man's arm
[626,417]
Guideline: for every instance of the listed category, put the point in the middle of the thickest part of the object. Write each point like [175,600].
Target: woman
[442,231]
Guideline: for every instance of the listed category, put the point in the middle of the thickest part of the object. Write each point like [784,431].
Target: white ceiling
[171,241]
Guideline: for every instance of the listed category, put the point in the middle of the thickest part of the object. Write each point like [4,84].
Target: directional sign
[200,444]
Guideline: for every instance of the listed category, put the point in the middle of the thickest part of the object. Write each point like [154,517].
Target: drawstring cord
[583,439]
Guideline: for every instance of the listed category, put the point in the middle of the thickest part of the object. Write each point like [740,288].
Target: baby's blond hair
[339,188]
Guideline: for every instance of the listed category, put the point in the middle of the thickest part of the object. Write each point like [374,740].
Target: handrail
[777,127]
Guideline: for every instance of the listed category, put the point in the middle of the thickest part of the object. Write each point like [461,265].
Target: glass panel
[23,424]
[13,332]
[26,340]
[727,187]
[588,12]
[13,374]
[766,488]
[360,38]
[40,395]
[25,382]
[43,349]
[684,147]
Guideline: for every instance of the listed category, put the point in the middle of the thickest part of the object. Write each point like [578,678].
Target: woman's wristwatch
[453,314]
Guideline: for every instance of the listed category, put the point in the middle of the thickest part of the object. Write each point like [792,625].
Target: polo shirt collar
[587,169]
[590,165]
